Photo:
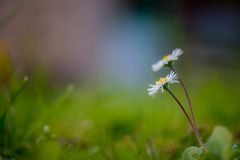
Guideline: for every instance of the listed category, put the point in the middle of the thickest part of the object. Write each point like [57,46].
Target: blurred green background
[88,65]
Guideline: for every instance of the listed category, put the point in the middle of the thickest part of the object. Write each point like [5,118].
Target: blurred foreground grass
[112,123]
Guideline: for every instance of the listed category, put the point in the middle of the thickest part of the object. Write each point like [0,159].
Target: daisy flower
[167,59]
[161,83]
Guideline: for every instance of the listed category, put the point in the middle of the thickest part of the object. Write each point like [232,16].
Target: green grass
[111,123]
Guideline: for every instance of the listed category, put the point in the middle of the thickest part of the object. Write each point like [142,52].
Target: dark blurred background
[118,40]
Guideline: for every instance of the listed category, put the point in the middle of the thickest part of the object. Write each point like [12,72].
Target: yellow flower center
[162,80]
[166,58]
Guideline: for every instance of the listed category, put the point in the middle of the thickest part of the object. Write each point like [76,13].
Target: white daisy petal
[157,66]
[152,91]
[172,58]
[176,53]
[159,85]
[166,59]
[173,81]
[172,77]
[162,89]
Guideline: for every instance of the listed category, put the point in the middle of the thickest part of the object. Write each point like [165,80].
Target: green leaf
[193,153]
[219,143]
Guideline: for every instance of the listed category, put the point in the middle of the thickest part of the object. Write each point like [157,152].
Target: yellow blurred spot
[162,80]
[166,58]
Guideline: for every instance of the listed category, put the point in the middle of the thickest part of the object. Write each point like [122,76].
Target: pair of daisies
[170,78]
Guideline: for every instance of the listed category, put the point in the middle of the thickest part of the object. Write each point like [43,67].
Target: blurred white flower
[25,78]
[46,128]
[39,139]
[170,78]
[166,59]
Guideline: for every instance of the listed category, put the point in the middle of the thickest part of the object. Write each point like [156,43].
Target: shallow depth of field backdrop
[88,64]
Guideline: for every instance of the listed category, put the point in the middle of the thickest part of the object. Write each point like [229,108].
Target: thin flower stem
[189,103]
[187,116]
